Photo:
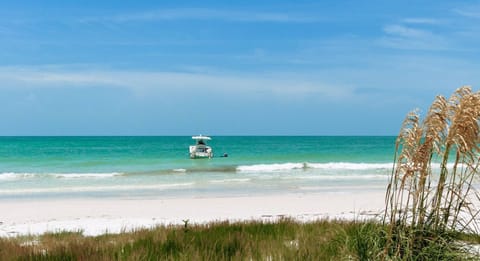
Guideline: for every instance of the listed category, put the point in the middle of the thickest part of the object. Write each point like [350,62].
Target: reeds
[432,190]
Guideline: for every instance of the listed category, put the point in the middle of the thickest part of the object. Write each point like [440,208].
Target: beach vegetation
[253,240]
[283,239]
[433,190]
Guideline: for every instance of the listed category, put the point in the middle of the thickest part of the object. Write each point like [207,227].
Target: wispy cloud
[410,38]
[147,82]
[473,12]
[424,21]
[204,14]
[406,32]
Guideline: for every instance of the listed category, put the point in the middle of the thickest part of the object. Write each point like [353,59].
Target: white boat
[201,149]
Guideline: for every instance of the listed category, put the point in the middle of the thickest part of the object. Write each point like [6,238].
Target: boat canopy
[200,137]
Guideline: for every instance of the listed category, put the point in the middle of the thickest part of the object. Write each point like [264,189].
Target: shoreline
[115,215]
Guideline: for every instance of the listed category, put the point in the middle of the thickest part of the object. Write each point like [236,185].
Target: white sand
[98,216]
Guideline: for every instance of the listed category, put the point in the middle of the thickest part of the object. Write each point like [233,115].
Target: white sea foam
[338,177]
[270,167]
[230,180]
[349,166]
[85,175]
[93,188]
[179,170]
[341,189]
[329,166]
[13,176]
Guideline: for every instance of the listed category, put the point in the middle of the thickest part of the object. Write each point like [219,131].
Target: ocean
[160,167]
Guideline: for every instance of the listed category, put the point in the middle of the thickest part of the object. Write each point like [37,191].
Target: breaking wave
[326,166]
[16,176]
[13,176]
[339,177]
[254,168]
[86,175]
[95,188]
[231,180]
[271,167]
[180,170]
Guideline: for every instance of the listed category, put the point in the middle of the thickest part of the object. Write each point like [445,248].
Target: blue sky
[230,68]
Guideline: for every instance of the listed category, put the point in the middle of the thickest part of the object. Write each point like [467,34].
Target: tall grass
[432,190]
[254,240]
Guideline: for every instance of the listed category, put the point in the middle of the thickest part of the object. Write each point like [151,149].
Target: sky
[230,67]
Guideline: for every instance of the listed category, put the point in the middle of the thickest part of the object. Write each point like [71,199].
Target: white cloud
[145,82]
[203,14]
[404,31]
[472,13]
[405,37]
[424,21]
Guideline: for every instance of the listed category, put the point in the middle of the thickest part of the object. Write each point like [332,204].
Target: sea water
[160,167]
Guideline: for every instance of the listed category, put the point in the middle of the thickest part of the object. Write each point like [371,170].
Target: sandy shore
[98,216]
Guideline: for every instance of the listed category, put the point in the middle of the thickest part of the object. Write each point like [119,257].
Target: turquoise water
[41,167]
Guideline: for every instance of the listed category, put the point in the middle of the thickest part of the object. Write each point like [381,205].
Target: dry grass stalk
[448,134]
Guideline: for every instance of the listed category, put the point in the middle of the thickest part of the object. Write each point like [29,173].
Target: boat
[201,149]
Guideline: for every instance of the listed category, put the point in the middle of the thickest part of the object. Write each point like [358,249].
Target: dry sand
[98,216]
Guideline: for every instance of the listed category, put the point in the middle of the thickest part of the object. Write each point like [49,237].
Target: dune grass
[281,240]
[254,240]
[433,191]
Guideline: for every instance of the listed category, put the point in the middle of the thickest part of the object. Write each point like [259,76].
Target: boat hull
[201,152]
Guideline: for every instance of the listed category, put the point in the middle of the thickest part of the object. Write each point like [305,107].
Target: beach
[111,184]
[99,216]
